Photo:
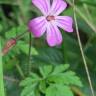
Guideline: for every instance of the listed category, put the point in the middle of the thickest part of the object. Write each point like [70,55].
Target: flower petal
[54,36]
[37,26]
[64,22]
[58,6]
[43,5]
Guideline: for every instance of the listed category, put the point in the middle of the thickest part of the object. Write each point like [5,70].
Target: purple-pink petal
[54,36]
[58,6]
[64,22]
[37,26]
[42,5]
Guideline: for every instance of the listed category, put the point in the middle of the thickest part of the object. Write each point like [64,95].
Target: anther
[50,18]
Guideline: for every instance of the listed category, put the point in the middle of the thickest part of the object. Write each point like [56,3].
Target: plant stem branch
[82,53]
[21,35]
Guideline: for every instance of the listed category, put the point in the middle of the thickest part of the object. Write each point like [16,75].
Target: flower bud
[8,46]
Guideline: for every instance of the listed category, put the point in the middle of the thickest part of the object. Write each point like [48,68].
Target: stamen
[49,18]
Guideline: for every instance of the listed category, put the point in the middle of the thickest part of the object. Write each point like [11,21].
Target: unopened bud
[8,46]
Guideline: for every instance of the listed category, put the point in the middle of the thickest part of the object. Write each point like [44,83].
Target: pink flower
[50,21]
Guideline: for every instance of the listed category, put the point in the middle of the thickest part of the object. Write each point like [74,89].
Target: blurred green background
[30,53]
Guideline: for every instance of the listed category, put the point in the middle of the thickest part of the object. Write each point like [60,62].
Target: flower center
[50,18]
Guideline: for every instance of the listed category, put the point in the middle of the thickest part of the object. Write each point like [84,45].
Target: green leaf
[60,68]
[46,70]
[58,90]
[24,47]
[14,31]
[35,76]
[28,90]
[31,94]
[42,86]
[28,81]
[68,78]
[61,78]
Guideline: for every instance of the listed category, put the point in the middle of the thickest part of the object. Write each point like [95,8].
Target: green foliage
[88,2]
[53,81]
[2,93]
[58,90]
[14,18]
